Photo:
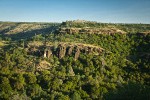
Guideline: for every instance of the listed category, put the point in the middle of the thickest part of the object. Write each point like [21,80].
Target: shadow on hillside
[6,30]
[139,58]
[28,34]
[130,91]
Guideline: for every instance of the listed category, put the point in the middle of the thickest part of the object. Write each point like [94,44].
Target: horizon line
[71,20]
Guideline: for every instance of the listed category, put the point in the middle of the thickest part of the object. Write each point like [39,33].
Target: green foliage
[30,78]
[75,96]
[130,91]
[5,88]
[90,77]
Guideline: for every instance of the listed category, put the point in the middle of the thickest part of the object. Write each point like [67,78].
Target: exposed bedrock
[68,49]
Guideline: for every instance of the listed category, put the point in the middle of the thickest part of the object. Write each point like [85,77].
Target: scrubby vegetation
[121,71]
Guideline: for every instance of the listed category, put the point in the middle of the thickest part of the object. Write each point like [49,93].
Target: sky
[108,11]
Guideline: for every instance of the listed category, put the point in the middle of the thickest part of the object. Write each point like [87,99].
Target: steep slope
[22,30]
[63,61]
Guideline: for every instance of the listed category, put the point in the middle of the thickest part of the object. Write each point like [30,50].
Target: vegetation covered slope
[121,70]
[22,30]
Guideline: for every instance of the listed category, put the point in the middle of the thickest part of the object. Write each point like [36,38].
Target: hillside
[25,30]
[74,60]
[22,30]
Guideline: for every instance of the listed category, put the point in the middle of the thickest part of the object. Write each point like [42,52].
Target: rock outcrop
[77,53]
[43,65]
[67,49]
[89,30]
[47,53]
[61,51]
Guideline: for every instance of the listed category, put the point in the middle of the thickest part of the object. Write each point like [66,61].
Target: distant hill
[25,29]
[22,30]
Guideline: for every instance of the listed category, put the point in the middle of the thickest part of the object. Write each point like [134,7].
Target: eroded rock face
[67,49]
[77,53]
[70,49]
[91,30]
[47,53]
[61,51]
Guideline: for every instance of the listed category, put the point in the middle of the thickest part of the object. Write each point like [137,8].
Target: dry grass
[35,43]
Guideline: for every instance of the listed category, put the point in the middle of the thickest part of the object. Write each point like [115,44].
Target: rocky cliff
[89,30]
[66,49]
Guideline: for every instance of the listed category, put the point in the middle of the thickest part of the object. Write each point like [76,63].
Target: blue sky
[114,11]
